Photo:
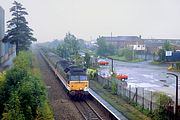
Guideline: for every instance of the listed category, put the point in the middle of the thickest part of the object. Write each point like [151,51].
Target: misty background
[87,19]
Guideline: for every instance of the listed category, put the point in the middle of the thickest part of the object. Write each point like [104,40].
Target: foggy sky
[87,19]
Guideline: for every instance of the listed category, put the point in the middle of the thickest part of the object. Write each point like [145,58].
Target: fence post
[143,99]
[108,82]
[151,102]
[123,91]
[136,95]
[129,92]
[120,90]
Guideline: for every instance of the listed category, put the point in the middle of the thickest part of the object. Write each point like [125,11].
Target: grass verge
[125,60]
[156,62]
[117,102]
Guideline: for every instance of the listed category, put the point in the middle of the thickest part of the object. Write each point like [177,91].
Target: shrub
[164,101]
[22,95]
[114,88]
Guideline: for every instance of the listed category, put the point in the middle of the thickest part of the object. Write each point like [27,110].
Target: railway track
[87,111]
[63,108]
[87,108]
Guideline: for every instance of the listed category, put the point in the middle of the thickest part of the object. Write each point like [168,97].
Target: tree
[167,46]
[18,32]
[87,60]
[161,53]
[128,54]
[82,44]
[69,47]
[62,50]
[104,49]
[77,59]
[71,44]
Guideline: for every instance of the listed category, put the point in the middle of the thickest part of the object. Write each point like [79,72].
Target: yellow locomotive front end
[78,83]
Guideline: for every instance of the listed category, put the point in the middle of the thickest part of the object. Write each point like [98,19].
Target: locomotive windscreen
[78,78]
[77,71]
[83,77]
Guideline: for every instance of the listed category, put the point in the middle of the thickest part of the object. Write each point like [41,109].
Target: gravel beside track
[62,106]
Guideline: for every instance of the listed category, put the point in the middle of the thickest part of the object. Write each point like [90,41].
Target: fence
[139,96]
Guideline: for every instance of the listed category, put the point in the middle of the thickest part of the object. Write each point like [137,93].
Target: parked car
[121,76]
[105,75]
[102,62]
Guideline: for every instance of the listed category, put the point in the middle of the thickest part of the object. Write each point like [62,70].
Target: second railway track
[87,111]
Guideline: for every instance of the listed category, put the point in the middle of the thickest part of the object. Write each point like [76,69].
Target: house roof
[121,38]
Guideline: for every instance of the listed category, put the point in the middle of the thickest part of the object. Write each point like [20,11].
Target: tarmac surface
[144,75]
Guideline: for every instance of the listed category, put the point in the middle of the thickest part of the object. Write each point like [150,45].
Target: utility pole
[112,67]
[176,102]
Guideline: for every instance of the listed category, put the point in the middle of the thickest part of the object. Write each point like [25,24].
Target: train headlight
[85,89]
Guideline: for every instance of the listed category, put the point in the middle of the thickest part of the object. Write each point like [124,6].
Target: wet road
[142,74]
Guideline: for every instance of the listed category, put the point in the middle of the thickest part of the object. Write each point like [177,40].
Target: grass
[156,62]
[120,104]
[115,57]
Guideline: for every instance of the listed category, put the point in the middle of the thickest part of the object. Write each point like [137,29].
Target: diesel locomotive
[73,77]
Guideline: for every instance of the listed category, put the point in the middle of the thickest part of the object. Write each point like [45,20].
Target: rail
[87,111]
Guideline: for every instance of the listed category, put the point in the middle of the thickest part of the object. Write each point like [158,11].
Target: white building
[138,47]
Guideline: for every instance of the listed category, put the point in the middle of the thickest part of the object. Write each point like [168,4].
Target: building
[2,32]
[153,45]
[7,50]
[133,42]
[2,23]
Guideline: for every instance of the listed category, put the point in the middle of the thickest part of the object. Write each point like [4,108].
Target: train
[73,77]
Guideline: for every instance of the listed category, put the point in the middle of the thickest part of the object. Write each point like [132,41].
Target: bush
[164,102]
[114,88]
[23,95]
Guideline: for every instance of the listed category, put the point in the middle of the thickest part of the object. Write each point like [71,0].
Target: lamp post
[176,102]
